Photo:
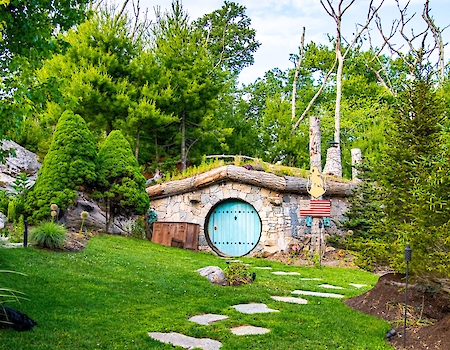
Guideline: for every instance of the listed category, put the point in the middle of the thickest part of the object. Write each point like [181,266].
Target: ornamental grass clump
[48,235]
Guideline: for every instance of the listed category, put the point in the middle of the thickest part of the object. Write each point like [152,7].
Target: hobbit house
[239,212]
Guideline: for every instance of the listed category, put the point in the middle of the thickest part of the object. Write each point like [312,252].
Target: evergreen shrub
[68,167]
[120,183]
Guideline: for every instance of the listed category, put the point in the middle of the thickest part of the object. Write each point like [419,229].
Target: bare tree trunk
[108,215]
[337,111]
[297,70]
[315,157]
[315,161]
[136,151]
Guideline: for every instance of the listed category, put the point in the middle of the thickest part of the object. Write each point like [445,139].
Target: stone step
[177,339]
[253,308]
[317,294]
[290,300]
[249,330]
[207,319]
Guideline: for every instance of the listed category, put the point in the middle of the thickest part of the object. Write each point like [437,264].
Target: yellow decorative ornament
[316,185]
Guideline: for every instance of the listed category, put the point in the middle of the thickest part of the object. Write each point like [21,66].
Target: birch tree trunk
[315,158]
[315,161]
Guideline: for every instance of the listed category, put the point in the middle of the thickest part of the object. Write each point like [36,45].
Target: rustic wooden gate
[233,228]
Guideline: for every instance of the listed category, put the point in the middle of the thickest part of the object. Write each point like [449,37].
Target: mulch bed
[428,312]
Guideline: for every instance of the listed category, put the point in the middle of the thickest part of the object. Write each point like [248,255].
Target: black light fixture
[25,233]
[408,256]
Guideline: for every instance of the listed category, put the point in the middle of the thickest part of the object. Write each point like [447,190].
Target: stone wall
[282,225]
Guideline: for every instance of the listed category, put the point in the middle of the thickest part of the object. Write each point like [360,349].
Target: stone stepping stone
[249,330]
[186,342]
[290,300]
[207,319]
[310,279]
[329,286]
[356,285]
[317,294]
[253,308]
[285,273]
[263,267]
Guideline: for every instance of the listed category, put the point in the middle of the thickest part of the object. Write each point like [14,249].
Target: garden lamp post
[408,255]
[25,233]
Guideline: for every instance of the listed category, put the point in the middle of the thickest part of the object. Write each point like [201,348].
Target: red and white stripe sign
[315,208]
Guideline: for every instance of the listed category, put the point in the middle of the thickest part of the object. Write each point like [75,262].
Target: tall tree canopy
[189,72]
[229,37]
[27,35]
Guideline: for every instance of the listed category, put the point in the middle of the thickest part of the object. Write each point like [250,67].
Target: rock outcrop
[19,161]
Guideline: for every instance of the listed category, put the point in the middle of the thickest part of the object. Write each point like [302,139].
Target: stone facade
[282,225]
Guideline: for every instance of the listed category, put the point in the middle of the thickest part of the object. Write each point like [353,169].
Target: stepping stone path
[253,308]
[186,342]
[329,286]
[249,330]
[317,294]
[290,300]
[207,319]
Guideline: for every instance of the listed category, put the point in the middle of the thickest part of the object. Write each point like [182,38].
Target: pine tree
[413,183]
[68,167]
[120,183]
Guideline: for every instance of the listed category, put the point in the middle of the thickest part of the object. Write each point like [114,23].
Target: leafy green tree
[68,167]
[27,35]
[229,37]
[189,72]
[120,183]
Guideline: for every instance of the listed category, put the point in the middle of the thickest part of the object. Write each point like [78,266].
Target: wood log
[210,177]
[257,178]
[296,184]
[269,181]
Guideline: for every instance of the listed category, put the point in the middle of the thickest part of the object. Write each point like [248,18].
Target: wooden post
[315,161]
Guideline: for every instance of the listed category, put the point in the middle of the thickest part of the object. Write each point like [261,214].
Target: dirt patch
[76,241]
[428,312]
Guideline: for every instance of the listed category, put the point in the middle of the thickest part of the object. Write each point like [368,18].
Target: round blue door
[234,228]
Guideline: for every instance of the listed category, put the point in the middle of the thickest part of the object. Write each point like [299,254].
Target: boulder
[3,220]
[96,220]
[19,161]
[214,274]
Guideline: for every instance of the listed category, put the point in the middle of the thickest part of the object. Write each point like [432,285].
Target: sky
[279,25]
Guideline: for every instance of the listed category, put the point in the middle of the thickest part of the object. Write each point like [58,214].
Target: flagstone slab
[310,279]
[253,308]
[329,286]
[358,285]
[263,267]
[285,273]
[290,300]
[317,294]
[249,330]
[186,342]
[207,319]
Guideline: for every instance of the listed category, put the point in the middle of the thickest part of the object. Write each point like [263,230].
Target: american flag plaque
[315,208]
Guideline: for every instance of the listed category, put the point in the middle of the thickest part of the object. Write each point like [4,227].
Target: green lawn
[118,289]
